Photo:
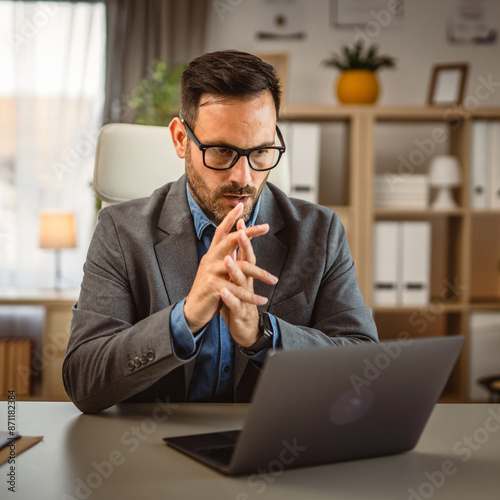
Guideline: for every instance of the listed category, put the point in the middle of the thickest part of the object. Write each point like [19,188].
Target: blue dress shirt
[212,378]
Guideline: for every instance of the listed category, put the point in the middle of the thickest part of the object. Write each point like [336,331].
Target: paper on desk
[22,444]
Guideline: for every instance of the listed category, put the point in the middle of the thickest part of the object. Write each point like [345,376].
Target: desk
[49,357]
[119,454]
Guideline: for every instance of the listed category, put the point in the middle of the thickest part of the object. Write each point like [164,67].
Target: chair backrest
[134,160]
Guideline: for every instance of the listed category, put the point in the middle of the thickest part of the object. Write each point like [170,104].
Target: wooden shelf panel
[415,212]
[485,306]
[340,209]
[319,112]
[408,309]
[411,113]
[491,112]
[485,213]
[385,113]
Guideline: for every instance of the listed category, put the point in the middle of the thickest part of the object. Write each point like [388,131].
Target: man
[185,292]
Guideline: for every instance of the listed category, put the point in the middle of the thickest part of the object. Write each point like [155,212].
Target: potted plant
[358,83]
[156,99]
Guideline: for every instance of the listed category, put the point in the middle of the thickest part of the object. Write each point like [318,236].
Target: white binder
[480,157]
[303,139]
[494,165]
[386,263]
[416,258]
[484,351]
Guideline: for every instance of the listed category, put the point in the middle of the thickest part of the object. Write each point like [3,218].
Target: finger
[224,228]
[235,273]
[245,296]
[229,244]
[241,271]
[255,272]
[230,300]
[246,250]
[240,226]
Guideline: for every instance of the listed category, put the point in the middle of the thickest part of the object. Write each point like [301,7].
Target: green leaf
[157,97]
[354,57]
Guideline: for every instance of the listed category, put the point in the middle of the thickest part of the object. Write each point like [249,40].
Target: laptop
[329,404]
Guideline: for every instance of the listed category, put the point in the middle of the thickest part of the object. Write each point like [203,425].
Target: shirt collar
[202,222]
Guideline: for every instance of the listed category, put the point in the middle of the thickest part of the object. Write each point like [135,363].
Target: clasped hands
[224,281]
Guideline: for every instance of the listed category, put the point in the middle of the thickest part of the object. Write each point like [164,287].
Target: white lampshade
[444,174]
[444,170]
[57,230]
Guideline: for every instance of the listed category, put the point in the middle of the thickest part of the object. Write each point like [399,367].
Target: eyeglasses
[224,157]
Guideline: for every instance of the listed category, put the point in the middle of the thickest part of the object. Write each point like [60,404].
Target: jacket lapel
[270,251]
[177,252]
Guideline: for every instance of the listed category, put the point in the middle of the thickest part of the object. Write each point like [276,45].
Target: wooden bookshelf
[457,255]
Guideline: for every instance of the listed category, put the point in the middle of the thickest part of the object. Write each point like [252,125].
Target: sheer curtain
[52,60]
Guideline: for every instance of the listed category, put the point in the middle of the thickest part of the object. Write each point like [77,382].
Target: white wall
[417,43]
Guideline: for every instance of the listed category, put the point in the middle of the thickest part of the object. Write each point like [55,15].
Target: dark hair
[226,73]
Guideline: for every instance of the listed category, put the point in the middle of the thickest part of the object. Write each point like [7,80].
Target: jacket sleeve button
[137,362]
[150,355]
[130,365]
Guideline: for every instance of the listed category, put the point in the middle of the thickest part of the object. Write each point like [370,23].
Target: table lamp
[57,231]
[444,174]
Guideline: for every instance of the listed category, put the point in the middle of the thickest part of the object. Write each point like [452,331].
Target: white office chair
[134,160]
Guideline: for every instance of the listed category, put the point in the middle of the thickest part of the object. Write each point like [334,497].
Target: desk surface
[119,454]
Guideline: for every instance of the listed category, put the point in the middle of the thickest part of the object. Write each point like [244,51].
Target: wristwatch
[266,336]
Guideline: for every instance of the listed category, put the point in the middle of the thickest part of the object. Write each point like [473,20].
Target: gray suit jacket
[143,259]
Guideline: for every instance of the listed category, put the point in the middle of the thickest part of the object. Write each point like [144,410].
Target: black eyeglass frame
[240,152]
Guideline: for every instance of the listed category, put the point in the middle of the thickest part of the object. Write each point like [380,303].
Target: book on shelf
[402,258]
[485,164]
[495,164]
[484,350]
[402,191]
[303,150]
[15,366]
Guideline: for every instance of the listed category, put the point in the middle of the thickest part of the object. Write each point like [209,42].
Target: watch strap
[265,341]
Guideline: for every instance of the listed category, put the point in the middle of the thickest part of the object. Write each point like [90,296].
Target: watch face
[265,325]
[265,341]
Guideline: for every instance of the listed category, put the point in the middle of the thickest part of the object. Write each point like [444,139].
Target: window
[52,60]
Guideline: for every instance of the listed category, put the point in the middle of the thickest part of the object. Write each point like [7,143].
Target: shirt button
[150,355]
[130,365]
[226,368]
[137,362]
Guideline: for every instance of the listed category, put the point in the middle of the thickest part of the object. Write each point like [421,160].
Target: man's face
[231,122]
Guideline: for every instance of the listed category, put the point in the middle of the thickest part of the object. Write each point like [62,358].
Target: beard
[212,202]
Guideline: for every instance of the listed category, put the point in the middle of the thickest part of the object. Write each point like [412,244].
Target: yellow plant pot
[357,86]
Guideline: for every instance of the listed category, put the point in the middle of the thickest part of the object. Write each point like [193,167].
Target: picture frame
[473,22]
[279,61]
[352,13]
[447,84]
